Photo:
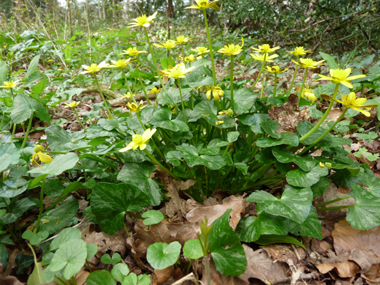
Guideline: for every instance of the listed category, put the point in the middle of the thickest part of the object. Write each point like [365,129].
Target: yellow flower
[299,51]
[308,94]
[39,155]
[189,58]
[265,49]
[351,101]
[201,50]
[128,95]
[139,141]
[232,49]
[219,123]
[154,90]
[340,76]
[121,63]
[228,113]
[72,104]
[9,85]
[179,71]
[321,165]
[263,57]
[182,40]
[93,68]
[308,63]
[143,21]
[169,44]
[275,69]
[216,92]
[133,51]
[134,107]
[204,4]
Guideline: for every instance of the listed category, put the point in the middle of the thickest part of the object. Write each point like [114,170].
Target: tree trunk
[171,9]
[70,18]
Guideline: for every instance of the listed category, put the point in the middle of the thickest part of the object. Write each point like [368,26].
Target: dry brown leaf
[11,263]
[332,193]
[237,204]
[187,280]
[10,280]
[334,115]
[347,238]
[161,276]
[320,246]
[218,279]
[340,264]
[81,277]
[364,258]
[284,253]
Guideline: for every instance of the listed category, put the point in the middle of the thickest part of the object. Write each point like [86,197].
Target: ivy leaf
[365,214]
[110,202]
[35,238]
[162,118]
[193,249]
[320,187]
[138,174]
[106,258]
[59,164]
[311,227]
[293,204]
[226,249]
[70,257]
[100,277]
[152,217]
[161,255]
[306,163]
[300,178]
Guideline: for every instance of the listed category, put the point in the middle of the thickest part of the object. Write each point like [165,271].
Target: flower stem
[125,227]
[328,131]
[232,83]
[333,201]
[129,88]
[183,53]
[101,94]
[261,71]
[183,105]
[294,77]
[275,85]
[303,83]
[142,86]
[141,123]
[322,119]
[154,58]
[79,120]
[210,46]
[41,205]
[262,87]
[207,268]
[159,164]
[13,131]
[27,130]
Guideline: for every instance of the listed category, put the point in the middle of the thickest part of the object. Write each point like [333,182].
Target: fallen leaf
[10,280]
[161,276]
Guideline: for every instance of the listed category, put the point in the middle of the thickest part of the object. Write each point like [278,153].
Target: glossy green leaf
[4,255]
[24,106]
[11,188]
[207,110]
[64,236]
[19,209]
[372,182]
[300,178]
[254,121]
[226,250]
[161,255]
[119,271]
[365,214]
[232,136]
[110,202]
[162,118]
[320,187]
[311,227]
[344,178]
[37,277]
[11,150]
[271,239]
[172,96]
[193,249]
[138,174]
[100,277]
[286,138]
[59,164]
[306,163]
[293,204]
[244,100]
[62,140]
[152,217]
[35,238]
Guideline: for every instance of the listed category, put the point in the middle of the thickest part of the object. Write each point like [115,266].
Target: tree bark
[70,18]
[171,9]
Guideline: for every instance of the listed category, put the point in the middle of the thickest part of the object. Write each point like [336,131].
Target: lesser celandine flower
[204,4]
[263,57]
[308,94]
[94,68]
[179,71]
[128,95]
[219,123]
[136,108]
[189,58]
[133,51]
[39,155]
[216,92]
[265,49]
[232,49]
[182,40]
[227,113]
[299,51]
[341,76]
[351,101]
[139,141]
[72,104]
[169,44]
[275,69]
[9,85]
[308,63]
[121,63]
[201,50]
[143,21]
[154,90]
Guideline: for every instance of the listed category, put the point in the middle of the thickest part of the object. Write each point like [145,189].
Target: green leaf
[11,150]
[152,217]
[300,178]
[20,208]
[92,249]
[161,255]
[23,261]
[365,214]
[62,140]
[59,217]
[285,138]
[138,174]
[254,121]
[106,258]
[293,204]
[110,202]
[24,106]
[306,163]
[6,160]
[244,100]
[320,187]
[119,271]
[70,257]
[192,157]
[111,124]
[271,239]
[40,86]
[37,277]
[32,66]
[59,164]
[193,249]
[100,277]
[226,250]
[270,127]
[3,72]
[172,96]
[207,110]
[195,80]
[330,60]
[35,238]
[162,118]
[11,188]
[64,236]
[131,279]
[4,255]
[371,181]
[53,188]
[232,136]
[311,227]
[344,178]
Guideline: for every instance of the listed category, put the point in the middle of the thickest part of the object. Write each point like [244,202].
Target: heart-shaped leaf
[64,236]
[285,138]
[208,111]
[35,238]
[59,164]
[306,163]
[106,258]
[152,217]
[119,271]
[161,255]
[62,140]
[24,106]
[300,178]
[100,277]
[193,249]
[162,118]
[20,208]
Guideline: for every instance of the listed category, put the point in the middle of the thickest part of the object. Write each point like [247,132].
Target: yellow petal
[347,84]
[44,157]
